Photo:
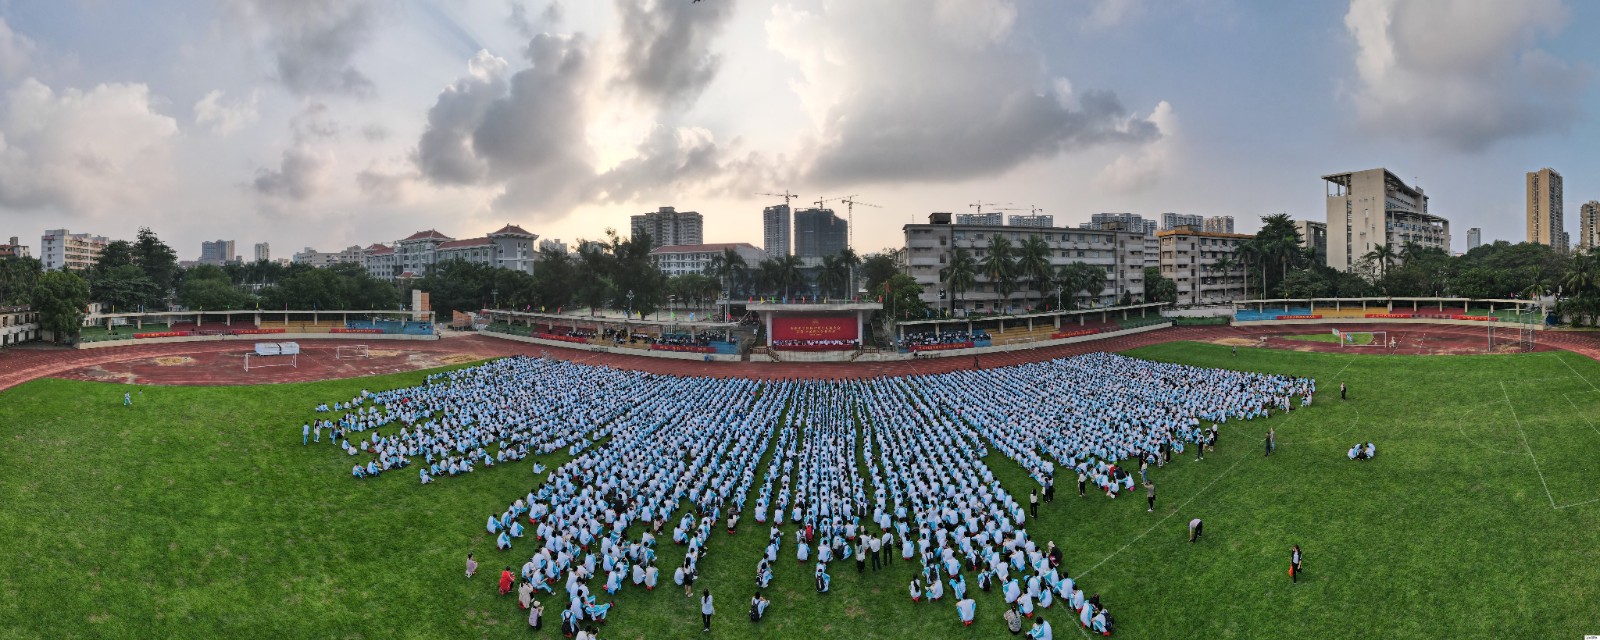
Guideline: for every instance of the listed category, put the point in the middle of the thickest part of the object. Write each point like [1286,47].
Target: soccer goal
[1518,336]
[1371,339]
[273,354]
[350,352]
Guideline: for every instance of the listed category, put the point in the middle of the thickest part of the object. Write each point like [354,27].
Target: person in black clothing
[1294,564]
[1341,391]
[1033,503]
[1050,488]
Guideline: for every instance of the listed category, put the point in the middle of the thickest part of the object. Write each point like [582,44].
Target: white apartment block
[929,248]
[62,249]
[1191,260]
[696,258]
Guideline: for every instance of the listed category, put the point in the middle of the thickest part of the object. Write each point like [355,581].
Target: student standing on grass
[1150,495]
[536,615]
[1050,488]
[127,400]
[1195,527]
[1033,503]
[706,609]
[305,434]
[1341,391]
[1294,564]
[472,566]
[1081,479]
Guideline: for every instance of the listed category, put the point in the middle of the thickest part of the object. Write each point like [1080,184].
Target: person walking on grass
[1342,390]
[706,609]
[1294,564]
[1033,503]
[1150,495]
[127,400]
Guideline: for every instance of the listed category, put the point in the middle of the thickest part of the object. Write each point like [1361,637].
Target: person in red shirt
[505,581]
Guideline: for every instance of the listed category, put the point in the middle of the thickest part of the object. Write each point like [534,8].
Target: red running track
[219,363]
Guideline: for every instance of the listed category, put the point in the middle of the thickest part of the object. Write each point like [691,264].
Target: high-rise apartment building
[668,226]
[775,230]
[1589,226]
[1373,207]
[62,249]
[553,244]
[1039,220]
[263,252]
[1170,221]
[1218,224]
[217,252]
[1545,225]
[929,248]
[1474,238]
[993,218]
[818,233]
[1124,221]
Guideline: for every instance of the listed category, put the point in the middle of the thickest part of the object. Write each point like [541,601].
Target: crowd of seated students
[701,339]
[920,490]
[930,338]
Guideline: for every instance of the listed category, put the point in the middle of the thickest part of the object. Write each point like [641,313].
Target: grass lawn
[195,514]
[1354,337]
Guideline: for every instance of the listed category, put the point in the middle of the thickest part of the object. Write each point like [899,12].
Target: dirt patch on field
[1236,342]
[382,353]
[458,358]
[174,361]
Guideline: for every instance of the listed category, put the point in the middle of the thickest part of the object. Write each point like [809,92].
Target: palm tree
[960,275]
[1082,277]
[787,273]
[1382,255]
[1223,265]
[1033,263]
[1000,266]
[835,274]
[851,261]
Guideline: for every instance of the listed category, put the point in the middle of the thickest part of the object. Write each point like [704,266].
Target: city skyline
[417,116]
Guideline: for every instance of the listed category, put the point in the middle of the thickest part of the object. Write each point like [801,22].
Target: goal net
[350,352]
[1369,339]
[273,354]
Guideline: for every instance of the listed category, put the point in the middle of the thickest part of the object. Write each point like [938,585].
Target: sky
[323,123]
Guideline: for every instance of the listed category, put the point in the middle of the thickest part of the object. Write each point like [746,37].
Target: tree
[1381,255]
[17,279]
[903,298]
[209,287]
[851,262]
[999,266]
[1159,288]
[1033,264]
[61,298]
[877,269]
[124,287]
[960,275]
[159,261]
[834,276]
[1081,277]
[554,280]
[727,267]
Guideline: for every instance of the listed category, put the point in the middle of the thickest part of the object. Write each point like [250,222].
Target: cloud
[1110,13]
[519,20]
[211,113]
[524,131]
[1134,172]
[16,51]
[666,47]
[957,96]
[82,152]
[303,167]
[1464,75]
[381,187]
[313,42]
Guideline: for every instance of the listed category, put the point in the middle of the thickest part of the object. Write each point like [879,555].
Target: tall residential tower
[1545,225]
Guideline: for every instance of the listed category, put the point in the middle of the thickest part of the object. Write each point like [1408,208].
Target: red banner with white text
[814,328]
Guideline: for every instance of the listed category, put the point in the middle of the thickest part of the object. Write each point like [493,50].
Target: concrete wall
[263,337]
[1327,321]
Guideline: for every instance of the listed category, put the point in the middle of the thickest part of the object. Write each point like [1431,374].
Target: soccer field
[196,514]
[1355,337]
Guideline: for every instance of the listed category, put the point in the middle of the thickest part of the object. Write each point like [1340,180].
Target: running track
[30,362]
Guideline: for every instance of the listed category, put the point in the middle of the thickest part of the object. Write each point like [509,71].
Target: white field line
[1535,459]
[1575,372]
[1163,518]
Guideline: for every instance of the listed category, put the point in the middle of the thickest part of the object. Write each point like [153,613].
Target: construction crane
[981,205]
[785,195]
[850,203]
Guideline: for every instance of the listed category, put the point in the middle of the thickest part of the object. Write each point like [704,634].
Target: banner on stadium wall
[814,328]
